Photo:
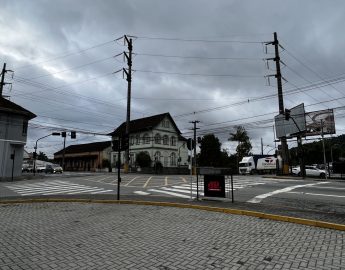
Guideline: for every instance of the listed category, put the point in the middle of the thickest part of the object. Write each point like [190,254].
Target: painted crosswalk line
[55,187]
[184,190]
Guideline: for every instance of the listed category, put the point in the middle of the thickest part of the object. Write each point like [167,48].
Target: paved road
[326,197]
[102,236]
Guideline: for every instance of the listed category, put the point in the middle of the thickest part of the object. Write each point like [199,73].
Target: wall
[12,140]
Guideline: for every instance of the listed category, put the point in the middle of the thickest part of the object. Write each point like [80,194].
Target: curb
[301,221]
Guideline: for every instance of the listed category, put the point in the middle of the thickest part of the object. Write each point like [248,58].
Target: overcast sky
[189,56]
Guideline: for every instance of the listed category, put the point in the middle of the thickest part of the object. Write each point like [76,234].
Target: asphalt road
[255,192]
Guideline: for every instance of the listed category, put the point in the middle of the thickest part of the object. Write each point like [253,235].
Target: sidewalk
[108,236]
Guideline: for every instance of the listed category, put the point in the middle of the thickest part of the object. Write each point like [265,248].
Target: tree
[210,153]
[244,145]
[143,159]
[42,156]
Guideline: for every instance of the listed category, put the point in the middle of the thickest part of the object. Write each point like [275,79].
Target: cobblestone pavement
[106,236]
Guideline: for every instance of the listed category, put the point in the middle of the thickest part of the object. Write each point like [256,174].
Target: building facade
[85,157]
[156,135]
[13,134]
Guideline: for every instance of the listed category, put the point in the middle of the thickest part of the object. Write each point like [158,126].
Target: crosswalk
[55,187]
[187,190]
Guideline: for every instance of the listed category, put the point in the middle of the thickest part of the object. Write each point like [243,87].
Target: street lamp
[35,154]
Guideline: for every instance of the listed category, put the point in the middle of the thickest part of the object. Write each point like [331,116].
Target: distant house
[85,157]
[158,136]
[13,134]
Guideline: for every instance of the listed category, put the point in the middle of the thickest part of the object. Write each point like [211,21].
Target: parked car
[27,168]
[310,171]
[53,169]
[40,168]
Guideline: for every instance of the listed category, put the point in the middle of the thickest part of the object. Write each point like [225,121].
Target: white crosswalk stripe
[184,190]
[55,187]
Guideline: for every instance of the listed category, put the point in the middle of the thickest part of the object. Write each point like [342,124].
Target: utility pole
[194,144]
[2,82]
[129,80]
[262,147]
[278,76]
[324,150]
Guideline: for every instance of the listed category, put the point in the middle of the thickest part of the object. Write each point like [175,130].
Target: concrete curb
[301,221]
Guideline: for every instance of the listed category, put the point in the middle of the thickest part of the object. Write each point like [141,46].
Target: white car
[310,171]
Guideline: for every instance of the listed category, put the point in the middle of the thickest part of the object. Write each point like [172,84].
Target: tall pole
[2,79]
[63,153]
[129,80]
[324,150]
[194,144]
[278,75]
[262,147]
[35,157]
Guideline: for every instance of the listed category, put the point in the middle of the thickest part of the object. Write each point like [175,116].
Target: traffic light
[190,144]
[115,145]
[63,134]
[34,155]
[199,139]
[124,142]
[287,114]
[73,135]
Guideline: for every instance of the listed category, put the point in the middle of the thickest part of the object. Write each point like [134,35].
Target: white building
[13,132]
[156,135]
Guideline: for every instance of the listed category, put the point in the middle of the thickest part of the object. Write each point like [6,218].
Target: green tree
[244,145]
[42,156]
[143,159]
[210,152]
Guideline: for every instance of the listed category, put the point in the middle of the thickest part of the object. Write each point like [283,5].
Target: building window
[173,140]
[25,128]
[165,161]
[173,159]
[158,139]
[167,124]
[137,139]
[157,156]
[132,140]
[146,139]
[165,140]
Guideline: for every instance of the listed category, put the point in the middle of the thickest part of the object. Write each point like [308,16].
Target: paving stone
[106,236]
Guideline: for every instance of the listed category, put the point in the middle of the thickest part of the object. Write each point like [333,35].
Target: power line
[66,54]
[198,40]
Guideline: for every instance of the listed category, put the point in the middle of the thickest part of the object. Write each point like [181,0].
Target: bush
[143,159]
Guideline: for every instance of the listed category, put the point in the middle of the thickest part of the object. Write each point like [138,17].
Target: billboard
[296,124]
[319,122]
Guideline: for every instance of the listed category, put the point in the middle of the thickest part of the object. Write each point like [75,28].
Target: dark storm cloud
[35,31]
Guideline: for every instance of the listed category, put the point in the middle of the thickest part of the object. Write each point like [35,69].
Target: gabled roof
[12,108]
[143,124]
[87,147]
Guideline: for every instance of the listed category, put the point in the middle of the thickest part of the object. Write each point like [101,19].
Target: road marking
[53,187]
[331,188]
[316,194]
[183,179]
[141,193]
[147,182]
[259,198]
[166,180]
[131,181]
[169,193]
[183,191]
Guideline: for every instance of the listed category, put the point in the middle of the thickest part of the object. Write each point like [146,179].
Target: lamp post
[35,154]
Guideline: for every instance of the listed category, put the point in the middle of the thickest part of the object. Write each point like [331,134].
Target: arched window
[173,159]
[146,139]
[137,139]
[165,140]
[173,140]
[158,139]
[157,156]
[132,140]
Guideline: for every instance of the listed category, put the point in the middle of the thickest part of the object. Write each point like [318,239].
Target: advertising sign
[214,185]
[320,121]
[296,124]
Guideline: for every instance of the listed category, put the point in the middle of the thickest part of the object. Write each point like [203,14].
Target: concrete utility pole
[324,150]
[2,83]
[278,76]
[129,80]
